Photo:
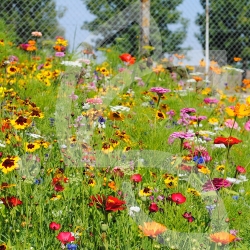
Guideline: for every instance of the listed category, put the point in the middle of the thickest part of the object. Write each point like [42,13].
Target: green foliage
[110,25]
[23,17]
[229,27]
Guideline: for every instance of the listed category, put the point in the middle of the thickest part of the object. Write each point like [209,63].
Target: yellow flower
[9,164]
[31,147]
[160,115]
[91,182]
[220,168]
[213,121]
[240,110]
[62,41]
[171,182]
[56,197]
[116,116]
[20,123]
[193,191]
[12,70]
[203,169]
[147,191]
[107,148]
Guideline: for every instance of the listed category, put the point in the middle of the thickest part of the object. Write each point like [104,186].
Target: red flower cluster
[110,203]
[11,201]
[127,58]
[228,142]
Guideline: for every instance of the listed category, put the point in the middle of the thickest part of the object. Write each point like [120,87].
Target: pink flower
[188,216]
[159,90]
[210,101]
[65,237]
[230,123]
[188,110]
[73,97]
[180,135]
[136,178]
[178,198]
[153,207]
[59,54]
[94,100]
[197,118]
[241,170]
[54,226]
[216,184]
[247,126]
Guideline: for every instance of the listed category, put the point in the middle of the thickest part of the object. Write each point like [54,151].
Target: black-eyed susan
[122,135]
[193,192]
[104,71]
[126,149]
[164,107]
[9,164]
[3,246]
[21,122]
[91,182]
[114,142]
[171,182]
[107,148]
[203,169]
[147,191]
[116,116]
[160,115]
[43,143]
[220,168]
[12,69]
[36,112]
[31,146]
[5,185]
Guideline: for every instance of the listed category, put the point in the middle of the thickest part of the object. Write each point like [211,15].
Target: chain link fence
[167,25]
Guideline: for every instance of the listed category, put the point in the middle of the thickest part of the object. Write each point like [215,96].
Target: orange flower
[216,70]
[246,82]
[152,229]
[222,237]
[239,110]
[197,78]
[202,63]
[179,56]
[237,59]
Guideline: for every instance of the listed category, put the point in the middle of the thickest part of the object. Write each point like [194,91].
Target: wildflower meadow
[132,153]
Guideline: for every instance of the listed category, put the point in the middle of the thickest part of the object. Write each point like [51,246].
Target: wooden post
[144,25]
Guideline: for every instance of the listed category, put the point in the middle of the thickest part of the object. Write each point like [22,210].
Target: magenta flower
[188,217]
[153,207]
[170,114]
[247,126]
[241,170]
[159,90]
[54,226]
[216,184]
[210,101]
[197,118]
[188,110]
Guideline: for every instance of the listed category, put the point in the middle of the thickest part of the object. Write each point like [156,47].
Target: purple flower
[188,110]
[197,118]
[216,184]
[159,90]
[247,126]
[170,113]
[59,54]
[13,58]
[180,135]
[210,101]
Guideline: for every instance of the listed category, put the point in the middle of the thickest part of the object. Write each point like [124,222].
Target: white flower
[119,108]
[86,106]
[133,210]
[34,135]
[83,60]
[71,63]
[2,145]
[191,80]
[63,146]
[234,180]
[145,104]
[196,74]
[219,146]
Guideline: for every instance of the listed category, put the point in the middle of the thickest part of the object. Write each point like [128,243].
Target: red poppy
[228,142]
[109,203]
[178,198]
[136,178]
[114,204]
[54,226]
[127,58]
[65,237]
[241,170]
[11,201]
[153,207]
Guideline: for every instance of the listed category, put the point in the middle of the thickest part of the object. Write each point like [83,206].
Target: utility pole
[144,25]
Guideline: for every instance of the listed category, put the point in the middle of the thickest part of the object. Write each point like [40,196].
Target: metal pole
[145,25]
[207,39]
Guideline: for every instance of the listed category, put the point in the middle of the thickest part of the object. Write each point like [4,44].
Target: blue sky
[76,14]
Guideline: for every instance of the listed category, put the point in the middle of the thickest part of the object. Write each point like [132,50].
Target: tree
[229,23]
[110,25]
[23,17]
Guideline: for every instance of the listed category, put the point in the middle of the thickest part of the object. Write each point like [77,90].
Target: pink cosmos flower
[180,135]
[59,54]
[94,100]
[159,90]
[73,97]
[65,237]
[230,123]
[188,110]
[216,184]
[197,118]
[247,126]
[210,101]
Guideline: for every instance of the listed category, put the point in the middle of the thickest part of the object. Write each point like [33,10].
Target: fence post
[144,25]
[207,39]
